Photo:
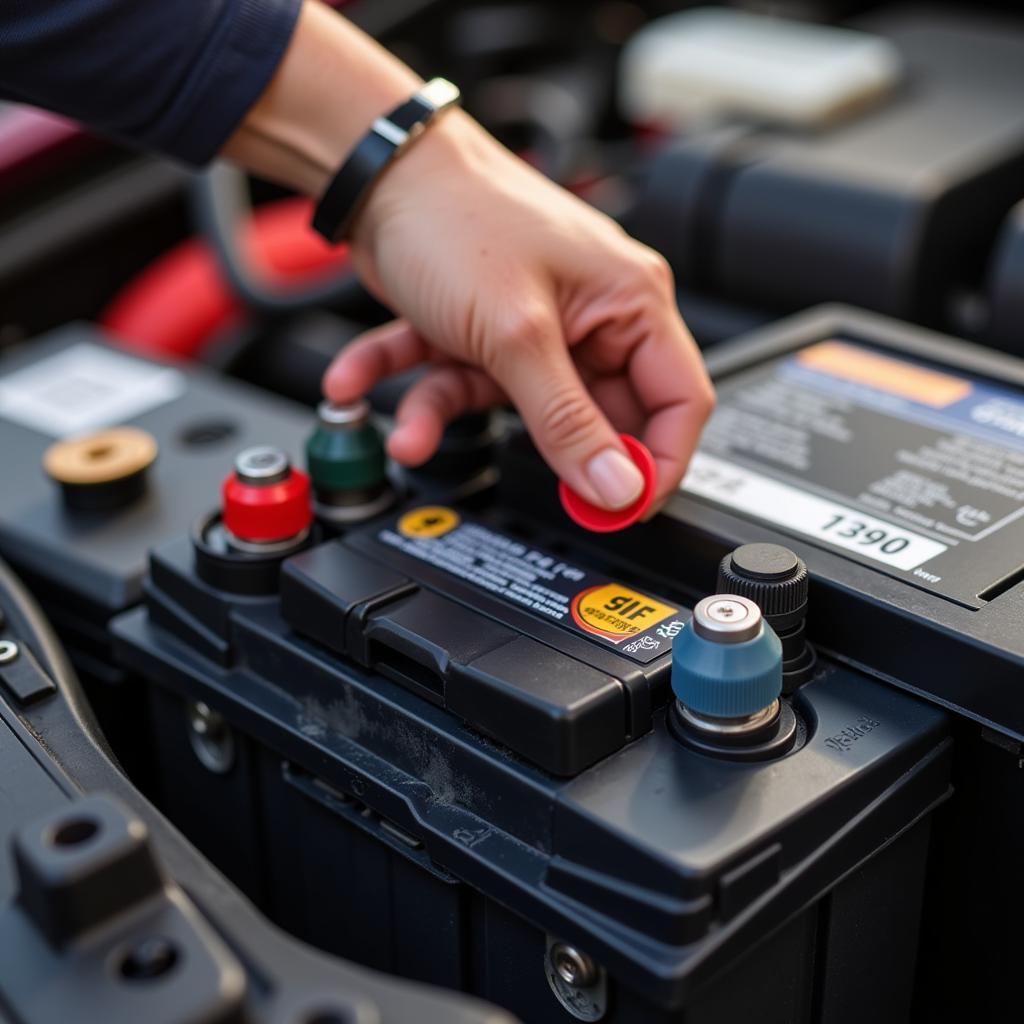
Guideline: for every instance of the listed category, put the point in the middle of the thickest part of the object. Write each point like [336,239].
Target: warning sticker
[85,387]
[616,612]
[915,470]
[427,522]
[611,613]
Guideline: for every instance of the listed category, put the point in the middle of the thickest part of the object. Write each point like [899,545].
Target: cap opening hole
[207,432]
[100,451]
[73,833]
[151,958]
[327,1017]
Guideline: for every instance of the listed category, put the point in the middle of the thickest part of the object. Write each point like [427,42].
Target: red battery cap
[603,520]
[265,499]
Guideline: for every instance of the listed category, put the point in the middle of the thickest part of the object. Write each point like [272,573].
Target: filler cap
[727,662]
[602,520]
[770,575]
[265,500]
[345,452]
[103,470]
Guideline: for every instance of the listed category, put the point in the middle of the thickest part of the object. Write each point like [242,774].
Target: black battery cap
[770,575]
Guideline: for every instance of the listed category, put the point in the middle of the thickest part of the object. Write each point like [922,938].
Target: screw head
[9,651]
[727,611]
[572,966]
[204,720]
[727,619]
[211,738]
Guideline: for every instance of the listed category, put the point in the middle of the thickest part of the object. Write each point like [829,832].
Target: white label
[83,388]
[793,509]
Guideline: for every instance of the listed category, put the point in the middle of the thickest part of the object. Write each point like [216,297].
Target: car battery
[890,459]
[82,541]
[107,453]
[472,748]
[895,209]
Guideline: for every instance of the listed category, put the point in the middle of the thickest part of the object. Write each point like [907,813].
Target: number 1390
[862,533]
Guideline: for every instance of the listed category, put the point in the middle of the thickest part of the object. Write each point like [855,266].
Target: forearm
[509,287]
[299,142]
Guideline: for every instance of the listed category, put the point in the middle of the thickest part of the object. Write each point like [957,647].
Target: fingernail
[616,479]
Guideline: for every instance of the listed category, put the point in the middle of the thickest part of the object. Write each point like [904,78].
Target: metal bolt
[572,966]
[205,721]
[578,983]
[211,738]
[9,651]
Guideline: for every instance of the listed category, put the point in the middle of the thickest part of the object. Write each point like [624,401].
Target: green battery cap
[345,452]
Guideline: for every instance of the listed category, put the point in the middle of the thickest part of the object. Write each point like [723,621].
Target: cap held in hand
[603,520]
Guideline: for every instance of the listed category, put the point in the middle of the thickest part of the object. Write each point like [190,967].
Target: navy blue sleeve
[175,76]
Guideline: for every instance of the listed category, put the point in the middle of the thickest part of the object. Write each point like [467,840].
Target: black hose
[219,198]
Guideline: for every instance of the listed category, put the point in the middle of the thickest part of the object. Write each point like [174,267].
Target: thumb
[537,373]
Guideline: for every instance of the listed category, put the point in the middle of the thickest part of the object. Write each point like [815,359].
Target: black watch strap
[388,137]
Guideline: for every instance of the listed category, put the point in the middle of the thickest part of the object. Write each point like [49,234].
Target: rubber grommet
[603,520]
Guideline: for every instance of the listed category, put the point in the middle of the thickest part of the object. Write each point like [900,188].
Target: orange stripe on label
[848,362]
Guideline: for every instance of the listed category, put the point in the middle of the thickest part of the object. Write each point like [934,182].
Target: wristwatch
[389,136]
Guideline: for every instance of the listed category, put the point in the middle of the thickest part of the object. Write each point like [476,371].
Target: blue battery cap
[727,661]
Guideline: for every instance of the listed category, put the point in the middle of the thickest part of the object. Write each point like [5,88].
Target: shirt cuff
[233,70]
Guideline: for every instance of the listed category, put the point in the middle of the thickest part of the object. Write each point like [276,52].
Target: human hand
[511,289]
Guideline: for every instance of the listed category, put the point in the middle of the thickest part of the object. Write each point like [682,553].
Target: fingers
[534,367]
[645,375]
[616,397]
[669,378]
[379,353]
[429,405]
[648,371]
[439,397]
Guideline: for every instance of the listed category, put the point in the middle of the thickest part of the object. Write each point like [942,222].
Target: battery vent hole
[207,432]
[74,833]
[152,958]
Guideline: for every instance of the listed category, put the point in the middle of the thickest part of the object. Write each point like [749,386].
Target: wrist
[332,83]
[451,148]
[388,140]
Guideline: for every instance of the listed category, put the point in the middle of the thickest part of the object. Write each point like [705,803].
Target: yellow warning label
[616,612]
[429,521]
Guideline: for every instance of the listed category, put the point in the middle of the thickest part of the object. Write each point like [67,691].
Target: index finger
[672,384]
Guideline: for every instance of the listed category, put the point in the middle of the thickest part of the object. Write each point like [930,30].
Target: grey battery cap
[771,576]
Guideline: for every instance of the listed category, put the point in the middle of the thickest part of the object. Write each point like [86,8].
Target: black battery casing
[454,847]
